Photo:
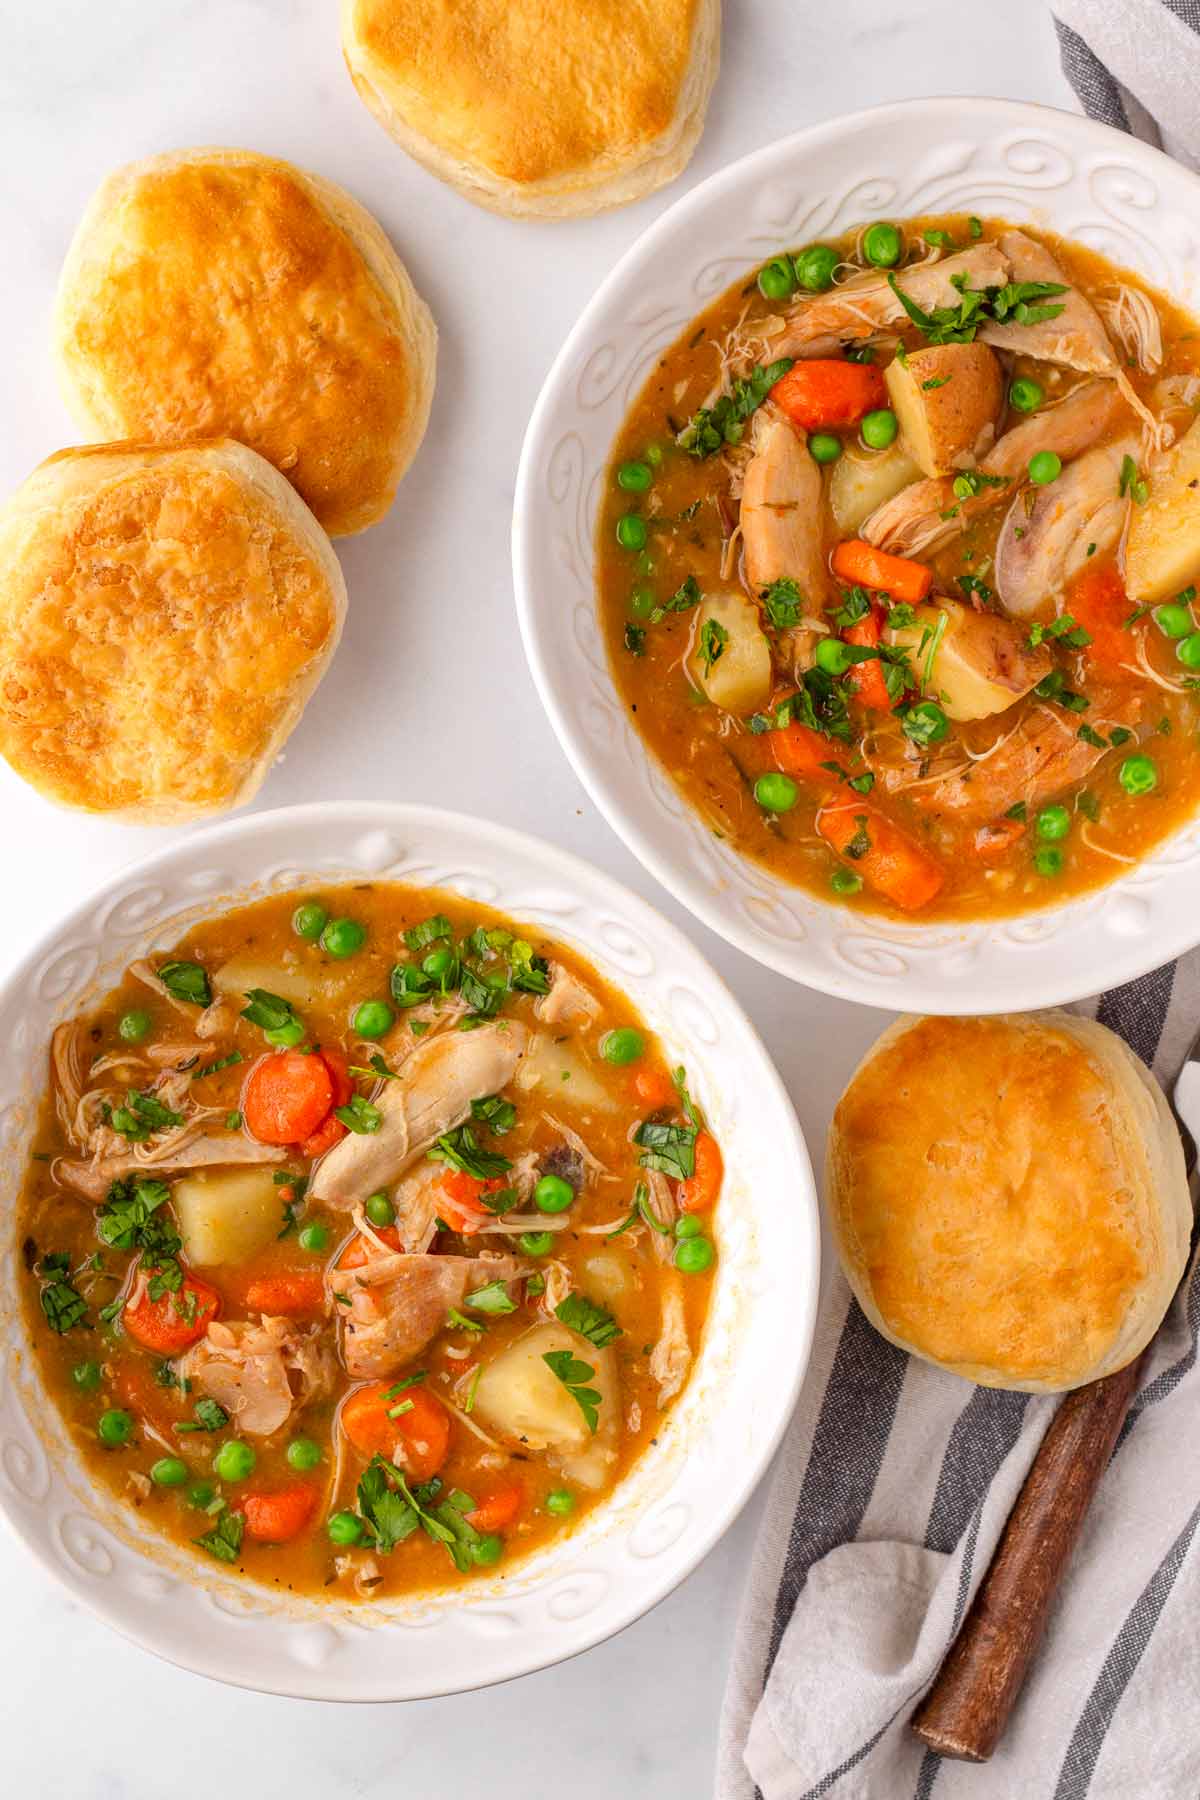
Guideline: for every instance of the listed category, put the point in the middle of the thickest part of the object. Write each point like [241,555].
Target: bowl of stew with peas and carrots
[857,548]
[390,1203]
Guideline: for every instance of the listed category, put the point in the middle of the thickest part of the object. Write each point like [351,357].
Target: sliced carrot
[861,564]
[497,1510]
[699,1192]
[174,1321]
[339,1074]
[653,1088]
[418,1437]
[993,841]
[885,858]
[280,1514]
[329,1132]
[136,1388]
[1097,600]
[800,751]
[286,1096]
[360,1249]
[824,393]
[867,677]
[460,1204]
[290,1293]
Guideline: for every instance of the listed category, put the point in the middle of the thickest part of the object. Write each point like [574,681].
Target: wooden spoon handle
[967,1708]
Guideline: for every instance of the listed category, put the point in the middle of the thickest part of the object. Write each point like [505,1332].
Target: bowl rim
[967,992]
[641,1597]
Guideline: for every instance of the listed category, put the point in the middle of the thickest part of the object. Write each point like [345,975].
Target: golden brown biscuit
[534,108]
[164,616]
[1008,1197]
[218,293]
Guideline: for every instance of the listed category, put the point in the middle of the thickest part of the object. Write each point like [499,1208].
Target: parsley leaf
[359,1116]
[62,1304]
[224,1541]
[429,931]
[498,1115]
[222,1062]
[269,1011]
[574,1375]
[671,1149]
[783,603]
[186,981]
[713,639]
[590,1321]
[494,1298]
[141,1114]
[712,427]
[461,1150]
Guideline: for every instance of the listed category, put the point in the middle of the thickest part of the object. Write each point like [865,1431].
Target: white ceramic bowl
[1027,163]
[715,1444]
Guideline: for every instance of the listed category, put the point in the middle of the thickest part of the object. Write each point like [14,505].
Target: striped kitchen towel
[890,1493]
[1136,64]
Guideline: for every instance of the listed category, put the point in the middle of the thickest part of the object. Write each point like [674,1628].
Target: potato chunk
[521,1398]
[944,398]
[1162,551]
[226,1215]
[235,978]
[560,1073]
[737,674]
[981,664]
[864,480]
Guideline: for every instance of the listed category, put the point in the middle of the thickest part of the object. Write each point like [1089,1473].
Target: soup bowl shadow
[1029,164]
[630,1550]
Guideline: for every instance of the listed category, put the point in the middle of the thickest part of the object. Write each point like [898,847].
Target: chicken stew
[366,1240]
[898,559]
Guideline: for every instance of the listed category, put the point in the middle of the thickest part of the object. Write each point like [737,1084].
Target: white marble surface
[429,699]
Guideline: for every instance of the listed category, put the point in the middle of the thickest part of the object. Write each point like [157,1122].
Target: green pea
[552,1194]
[823,447]
[234,1461]
[845,881]
[653,455]
[776,793]
[303,1454]
[1044,468]
[87,1376]
[488,1550]
[814,268]
[622,1046]
[1049,862]
[314,1237]
[1188,650]
[881,245]
[309,921]
[169,1471]
[380,1210]
[345,1528]
[133,1026]
[777,280]
[285,1037]
[832,656]
[343,937]
[1138,775]
[1025,396]
[201,1494]
[373,1018]
[634,477]
[114,1428]
[642,602]
[694,1255]
[879,428]
[687,1225]
[536,1243]
[1173,620]
[438,964]
[1052,823]
[631,531]
[560,1502]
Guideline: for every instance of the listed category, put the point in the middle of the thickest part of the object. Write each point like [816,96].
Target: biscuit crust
[219,293]
[164,616]
[1008,1197]
[539,110]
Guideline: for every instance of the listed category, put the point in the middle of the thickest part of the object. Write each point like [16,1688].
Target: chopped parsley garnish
[126,1220]
[63,1306]
[856,605]
[783,604]
[494,1298]
[270,1012]
[359,1116]
[141,1115]
[1088,804]
[1063,628]
[1019,811]
[590,1321]
[1130,483]
[498,1115]
[1116,737]
[461,1150]
[224,1541]
[429,931]
[1015,303]
[971,585]
[970,482]
[712,427]
[713,639]
[209,1415]
[635,639]
[186,981]
[1054,687]
[671,1149]
[860,843]
[686,595]
[222,1062]
[574,1375]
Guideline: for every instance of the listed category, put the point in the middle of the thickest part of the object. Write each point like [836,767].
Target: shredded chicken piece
[186,1148]
[859,308]
[671,1357]
[662,1205]
[1133,319]
[258,1373]
[218,1020]
[391,1306]
[558,1284]
[1051,532]
[568,1002]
